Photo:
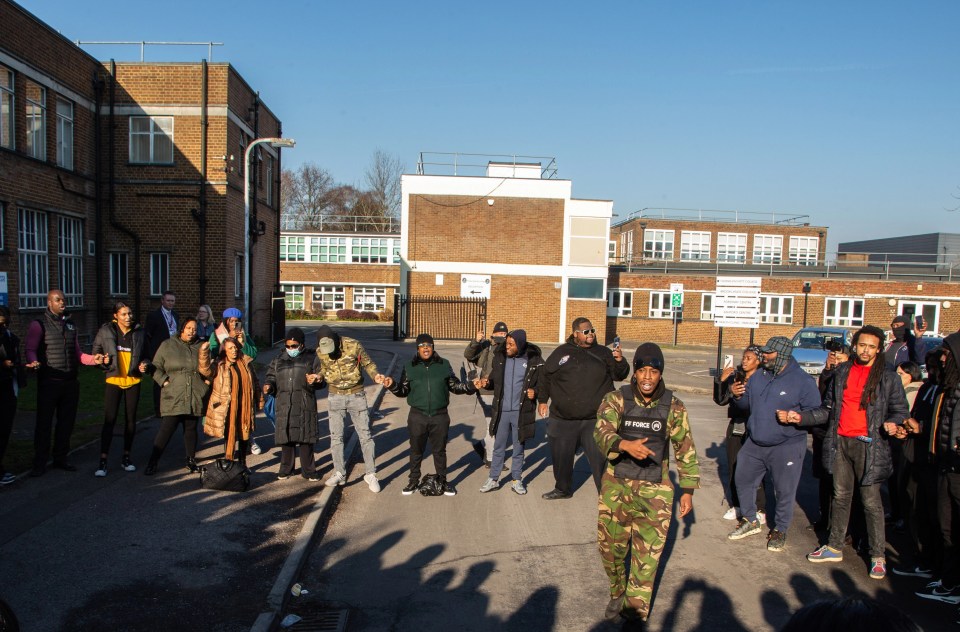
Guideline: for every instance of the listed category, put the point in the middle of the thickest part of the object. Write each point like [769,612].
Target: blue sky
[843,111]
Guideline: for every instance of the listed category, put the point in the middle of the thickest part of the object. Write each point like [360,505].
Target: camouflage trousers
[633,521]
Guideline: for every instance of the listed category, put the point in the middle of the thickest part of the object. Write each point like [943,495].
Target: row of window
[774,308]
[730,247]
[35,115]
[333,297]
[297,248]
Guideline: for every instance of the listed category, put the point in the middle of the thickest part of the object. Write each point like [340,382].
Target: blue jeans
[356,406]
[507,431]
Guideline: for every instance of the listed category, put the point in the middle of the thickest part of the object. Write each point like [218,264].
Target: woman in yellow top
[119,346]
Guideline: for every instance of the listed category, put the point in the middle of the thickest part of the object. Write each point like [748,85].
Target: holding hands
[788,416]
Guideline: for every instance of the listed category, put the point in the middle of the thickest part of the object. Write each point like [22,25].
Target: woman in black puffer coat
[293,378]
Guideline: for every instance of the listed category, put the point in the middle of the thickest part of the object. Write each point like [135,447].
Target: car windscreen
[814,339]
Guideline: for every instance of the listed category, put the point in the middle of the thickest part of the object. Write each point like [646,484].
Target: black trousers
[565,436]
[288,452]
[948,508]
[918,483]
[113,397]
[8,410]
[167,426]
[156,400]
[59,397]
[423,427]
[733,445]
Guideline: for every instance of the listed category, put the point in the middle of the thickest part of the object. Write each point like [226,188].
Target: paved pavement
[134,553]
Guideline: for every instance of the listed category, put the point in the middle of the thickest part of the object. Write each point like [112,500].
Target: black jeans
[60,397]
[918,483]
[948,508]
[288,453]
[565,436]
[848,470]
[113,396]
[167,426]
[423,427]
[8,410]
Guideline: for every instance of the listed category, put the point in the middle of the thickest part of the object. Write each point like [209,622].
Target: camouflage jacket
[343,374]
[609,417]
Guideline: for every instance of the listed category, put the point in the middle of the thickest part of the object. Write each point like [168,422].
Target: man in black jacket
[866,394]
[575,379]
[480,352]
[159,325]
[513,379]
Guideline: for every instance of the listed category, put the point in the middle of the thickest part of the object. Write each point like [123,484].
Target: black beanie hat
[648,354]
[422,338]
[296,334]
[500,327]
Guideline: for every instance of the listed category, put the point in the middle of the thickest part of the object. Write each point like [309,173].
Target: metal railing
[717,216]
[345,224]
[462,164]
[144,44]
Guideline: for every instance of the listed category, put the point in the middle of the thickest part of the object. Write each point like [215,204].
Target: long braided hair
[878,368]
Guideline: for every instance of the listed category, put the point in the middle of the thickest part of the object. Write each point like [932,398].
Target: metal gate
[443,317]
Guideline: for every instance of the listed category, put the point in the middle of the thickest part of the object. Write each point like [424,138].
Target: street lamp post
[273,142]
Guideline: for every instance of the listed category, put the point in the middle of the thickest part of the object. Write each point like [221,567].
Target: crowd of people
[878,424]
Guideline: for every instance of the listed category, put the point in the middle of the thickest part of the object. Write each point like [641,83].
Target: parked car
[808,344]
[932,343]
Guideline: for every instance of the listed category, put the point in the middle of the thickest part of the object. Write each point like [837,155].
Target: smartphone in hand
[919,322]
[616,342]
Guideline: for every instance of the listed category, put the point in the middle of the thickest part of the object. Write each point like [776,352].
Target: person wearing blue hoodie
[771,446]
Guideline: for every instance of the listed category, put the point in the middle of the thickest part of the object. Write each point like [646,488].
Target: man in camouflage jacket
[341,361]
[634,425]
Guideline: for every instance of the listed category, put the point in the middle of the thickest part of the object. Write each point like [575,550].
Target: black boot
[192,465]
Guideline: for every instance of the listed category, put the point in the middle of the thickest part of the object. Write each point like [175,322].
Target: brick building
[120,181]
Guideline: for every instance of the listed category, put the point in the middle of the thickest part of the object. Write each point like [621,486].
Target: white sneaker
[254,448]
[337,478]
[101,472]
[372,482]
[762,518]
[732,513]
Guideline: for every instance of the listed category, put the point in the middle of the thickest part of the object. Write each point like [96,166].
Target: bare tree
[307,196]
[382,184]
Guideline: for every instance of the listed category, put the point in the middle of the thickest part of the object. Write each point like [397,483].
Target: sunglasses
[587,331]
[425,344]
[294,346]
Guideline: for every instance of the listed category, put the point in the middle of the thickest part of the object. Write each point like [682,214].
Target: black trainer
[449,490]
[411,487]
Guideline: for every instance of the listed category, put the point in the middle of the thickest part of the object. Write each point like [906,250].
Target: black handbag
[224,475]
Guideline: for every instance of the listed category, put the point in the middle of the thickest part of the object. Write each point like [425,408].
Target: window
[585,288]
[611,251]
[70,260]
[292,248]
[803,251]
[767,249]
[32,246]
[118,274]
[843,312]
[269,177]
[658,244]
[36,115]
[776,309]
[328,297]
[328,249]
[369,299]
[293,299]
[396,251]
[626,247]
[660,305]
[6,108]
[731,247]
[367,250]
[706,306]
[64,133]
[694,246]
[151,139]
[588,241]
[619,303]
[159,273]
[238,276]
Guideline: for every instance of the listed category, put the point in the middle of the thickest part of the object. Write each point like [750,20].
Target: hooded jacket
[106,342]
[946,432]
[790,389]
[296,400]
[576,379]
[178,362]
[342,368]
[888,404]
[528,407]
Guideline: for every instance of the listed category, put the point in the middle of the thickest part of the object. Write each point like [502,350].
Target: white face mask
[293,353]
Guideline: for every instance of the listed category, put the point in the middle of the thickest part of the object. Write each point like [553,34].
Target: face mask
[293,353]
[498,340]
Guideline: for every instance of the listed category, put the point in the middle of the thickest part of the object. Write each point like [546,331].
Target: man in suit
[161,324]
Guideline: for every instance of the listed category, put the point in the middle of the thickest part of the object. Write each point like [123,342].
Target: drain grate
[326,620]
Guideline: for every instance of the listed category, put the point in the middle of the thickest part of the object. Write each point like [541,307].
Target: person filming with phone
[905,345]
[733,383]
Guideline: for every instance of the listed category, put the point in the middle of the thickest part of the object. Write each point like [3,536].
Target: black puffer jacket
[889,404]
[528,407]
[948,421]
[296,400]
[106,342]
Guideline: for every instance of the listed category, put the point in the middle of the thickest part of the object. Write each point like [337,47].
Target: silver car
[808,344]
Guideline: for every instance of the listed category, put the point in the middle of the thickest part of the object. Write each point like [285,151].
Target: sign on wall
[474,286]
[737,302]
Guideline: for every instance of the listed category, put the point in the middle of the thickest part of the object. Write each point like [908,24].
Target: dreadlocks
[879,364]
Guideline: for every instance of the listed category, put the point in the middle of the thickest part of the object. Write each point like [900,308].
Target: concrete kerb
[280,593]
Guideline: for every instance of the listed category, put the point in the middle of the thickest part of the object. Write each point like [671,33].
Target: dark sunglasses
[587,331]
[294,346]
